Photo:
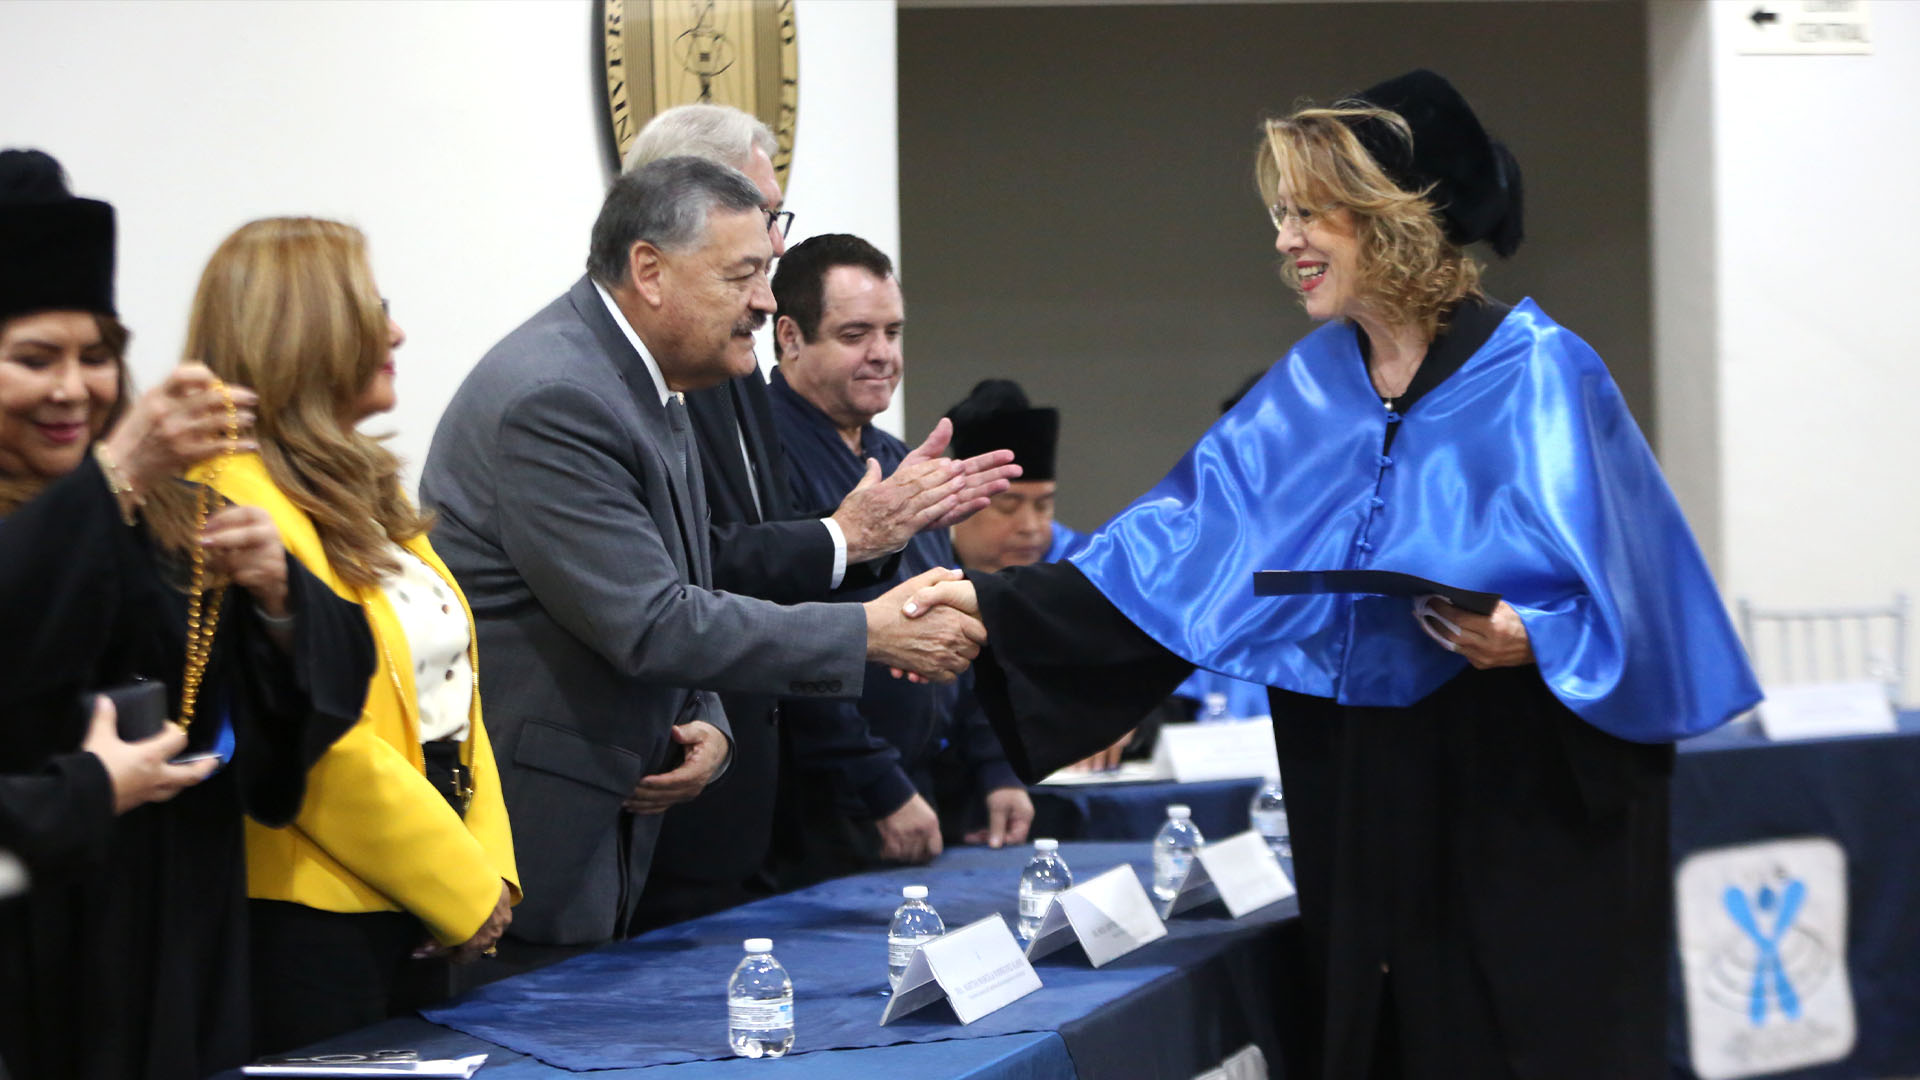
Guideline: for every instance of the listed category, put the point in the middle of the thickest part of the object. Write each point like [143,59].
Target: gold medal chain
[203,612]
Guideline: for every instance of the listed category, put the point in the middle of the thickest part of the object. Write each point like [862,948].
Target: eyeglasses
[1278,213]
[779,219]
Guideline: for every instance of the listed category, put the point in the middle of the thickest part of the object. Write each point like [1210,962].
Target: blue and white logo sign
[1763,950]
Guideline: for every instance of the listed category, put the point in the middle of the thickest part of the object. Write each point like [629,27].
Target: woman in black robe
[127,957]
[1479,802]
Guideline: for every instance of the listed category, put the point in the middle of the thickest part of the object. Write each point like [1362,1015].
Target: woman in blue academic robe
[1479,803]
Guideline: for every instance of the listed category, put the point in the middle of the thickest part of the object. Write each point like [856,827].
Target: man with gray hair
[572,510]
[711,850]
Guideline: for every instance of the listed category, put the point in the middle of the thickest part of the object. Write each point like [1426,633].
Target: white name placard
[1819,710]
[1231,751]
[977,968]
[1246,872]
[1109,915]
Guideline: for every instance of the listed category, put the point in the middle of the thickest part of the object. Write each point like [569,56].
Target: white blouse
[436,628]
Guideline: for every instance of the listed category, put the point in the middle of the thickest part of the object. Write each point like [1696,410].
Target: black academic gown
[127,957]
[1482,875]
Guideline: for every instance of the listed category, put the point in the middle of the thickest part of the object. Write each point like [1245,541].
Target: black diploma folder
[1371,582]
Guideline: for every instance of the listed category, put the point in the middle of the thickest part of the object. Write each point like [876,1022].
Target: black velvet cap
[1475,180]
[56,251]
[997,416]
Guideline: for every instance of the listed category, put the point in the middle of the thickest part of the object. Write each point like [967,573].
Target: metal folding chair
[1850,644]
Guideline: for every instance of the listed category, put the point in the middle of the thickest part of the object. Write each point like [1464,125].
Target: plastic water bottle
[760,1003]
[1045,877]
[1269,813]
[1214,709]
[1173,849]
[914,923]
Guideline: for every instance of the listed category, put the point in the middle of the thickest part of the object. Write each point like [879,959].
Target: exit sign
[1803,27]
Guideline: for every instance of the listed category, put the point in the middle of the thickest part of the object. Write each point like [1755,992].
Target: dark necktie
[696,529]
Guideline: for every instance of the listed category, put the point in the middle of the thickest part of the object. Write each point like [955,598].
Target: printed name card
[977,968]
[1109,915]
[1246,872]
[1820,710]
[1193,752]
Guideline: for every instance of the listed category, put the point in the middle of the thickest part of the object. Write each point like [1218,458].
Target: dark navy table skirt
[1731,786]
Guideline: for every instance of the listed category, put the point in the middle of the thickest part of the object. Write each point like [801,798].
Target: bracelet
[274,622]
[123,492]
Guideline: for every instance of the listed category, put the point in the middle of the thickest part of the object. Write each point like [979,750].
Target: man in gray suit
[573,512]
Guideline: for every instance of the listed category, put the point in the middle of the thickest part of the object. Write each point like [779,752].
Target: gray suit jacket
[582,548]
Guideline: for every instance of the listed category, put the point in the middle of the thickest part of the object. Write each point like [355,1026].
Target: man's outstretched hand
[939,598]
[934,646]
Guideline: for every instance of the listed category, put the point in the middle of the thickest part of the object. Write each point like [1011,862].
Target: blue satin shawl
[1522,474]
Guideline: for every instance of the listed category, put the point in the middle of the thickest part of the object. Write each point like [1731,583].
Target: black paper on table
[1371,582]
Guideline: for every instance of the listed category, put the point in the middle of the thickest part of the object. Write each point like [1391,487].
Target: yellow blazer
[373,834]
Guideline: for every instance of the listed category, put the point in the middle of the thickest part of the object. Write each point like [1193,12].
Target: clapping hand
[927,491]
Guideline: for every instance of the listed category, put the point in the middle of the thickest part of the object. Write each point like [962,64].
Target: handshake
[926,628]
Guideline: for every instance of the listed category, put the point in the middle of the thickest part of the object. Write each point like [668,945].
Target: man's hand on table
[1009,816]
[910,834]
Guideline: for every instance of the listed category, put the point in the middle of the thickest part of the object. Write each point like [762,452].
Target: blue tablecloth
[1032,1056]
[659,999]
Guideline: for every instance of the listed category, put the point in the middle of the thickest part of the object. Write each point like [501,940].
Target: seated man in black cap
[866,778]
[1018,527]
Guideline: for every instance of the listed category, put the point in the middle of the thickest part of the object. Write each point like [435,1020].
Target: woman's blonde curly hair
[1410,273]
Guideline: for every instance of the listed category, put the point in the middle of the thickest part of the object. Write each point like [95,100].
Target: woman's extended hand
[243,544]
[1487,641]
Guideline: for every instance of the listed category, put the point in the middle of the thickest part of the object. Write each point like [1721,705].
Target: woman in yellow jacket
[401,854]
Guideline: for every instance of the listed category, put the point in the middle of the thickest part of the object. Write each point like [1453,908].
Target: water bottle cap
[1179,812]
[914,892]
[759,944]
[1046,846]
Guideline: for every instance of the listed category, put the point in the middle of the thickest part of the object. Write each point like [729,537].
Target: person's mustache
[750,325]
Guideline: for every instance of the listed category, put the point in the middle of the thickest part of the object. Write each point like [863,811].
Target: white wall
[1784,298]
[463,137]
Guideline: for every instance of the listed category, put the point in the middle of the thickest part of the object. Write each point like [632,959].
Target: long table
[1187,1001]
[1731,787]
